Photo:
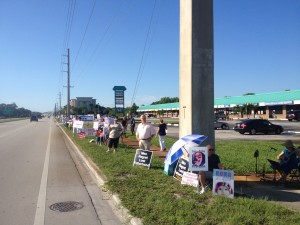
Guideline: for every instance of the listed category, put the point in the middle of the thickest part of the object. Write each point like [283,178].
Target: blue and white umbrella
[177,149]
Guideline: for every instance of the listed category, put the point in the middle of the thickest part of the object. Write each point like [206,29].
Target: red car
[293,115]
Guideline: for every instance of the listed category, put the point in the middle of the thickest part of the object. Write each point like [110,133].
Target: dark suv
[220,115]
[293,115]
[254,126]
[33,118]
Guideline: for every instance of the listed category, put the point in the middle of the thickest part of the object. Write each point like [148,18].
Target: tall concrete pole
[59,103]
[68,103]
[196,79]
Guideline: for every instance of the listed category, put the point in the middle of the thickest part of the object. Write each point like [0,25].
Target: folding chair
[294,175]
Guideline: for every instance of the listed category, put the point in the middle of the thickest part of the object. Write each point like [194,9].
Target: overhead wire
[142,63]
[106,31]
[67,33]
[85,31]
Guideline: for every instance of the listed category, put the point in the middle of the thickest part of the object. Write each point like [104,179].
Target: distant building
[81,102]
[265,105]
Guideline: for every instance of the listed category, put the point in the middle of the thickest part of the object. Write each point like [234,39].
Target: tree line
[12,111]
[98,109]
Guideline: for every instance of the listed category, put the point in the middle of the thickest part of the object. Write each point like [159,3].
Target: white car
[221,125]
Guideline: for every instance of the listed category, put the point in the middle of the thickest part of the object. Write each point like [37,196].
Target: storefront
[274,105]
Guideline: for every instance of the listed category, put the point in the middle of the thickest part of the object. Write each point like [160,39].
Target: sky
[135,43]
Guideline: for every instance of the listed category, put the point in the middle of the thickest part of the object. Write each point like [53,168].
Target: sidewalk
[250,185]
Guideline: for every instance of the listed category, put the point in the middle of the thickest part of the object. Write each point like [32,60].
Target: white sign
[198,159]
[223,183]
[96,125]
[190,179]
[78,124]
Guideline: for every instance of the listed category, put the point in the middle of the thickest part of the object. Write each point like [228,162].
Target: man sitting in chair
[213,163]
[288,160]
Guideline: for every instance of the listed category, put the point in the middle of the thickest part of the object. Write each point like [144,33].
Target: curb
[100,182]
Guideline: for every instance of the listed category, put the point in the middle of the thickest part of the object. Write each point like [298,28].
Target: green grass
[11,119]
[160,199]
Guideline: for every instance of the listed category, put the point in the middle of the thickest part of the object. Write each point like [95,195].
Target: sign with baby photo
[198,159]
[223,183]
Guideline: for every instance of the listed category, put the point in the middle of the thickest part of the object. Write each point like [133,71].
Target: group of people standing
[144,133]
[289,158]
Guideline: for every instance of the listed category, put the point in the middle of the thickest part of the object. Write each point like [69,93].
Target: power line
[140,71]
[86,28]
[106,31]
[67,33]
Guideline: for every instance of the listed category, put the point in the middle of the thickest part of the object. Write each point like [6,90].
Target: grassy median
[160,199]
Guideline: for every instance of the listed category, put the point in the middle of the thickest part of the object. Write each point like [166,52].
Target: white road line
[40,208]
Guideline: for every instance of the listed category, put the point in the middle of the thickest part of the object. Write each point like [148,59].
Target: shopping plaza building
[264,105]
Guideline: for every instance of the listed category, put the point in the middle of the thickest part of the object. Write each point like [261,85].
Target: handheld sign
[223,183]
[182,166]
[142,158]
[198,159]
[89,131]
[77,125]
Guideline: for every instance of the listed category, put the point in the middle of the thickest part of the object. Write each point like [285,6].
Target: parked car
[254,126]
[221,125]
[33,118]
[293,115]
[220,115]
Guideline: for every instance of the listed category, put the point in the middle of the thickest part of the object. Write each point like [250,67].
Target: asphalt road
[38,170]
[291,130]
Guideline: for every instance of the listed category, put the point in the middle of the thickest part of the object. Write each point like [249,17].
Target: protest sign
[86,117]
[198,159]
[181,167]
[81,135]
[89,131]
[77,125]
[190,179]
[96,125]
[223,183]
[142,158]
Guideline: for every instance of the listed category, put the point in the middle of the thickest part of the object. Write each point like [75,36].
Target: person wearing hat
[288,159]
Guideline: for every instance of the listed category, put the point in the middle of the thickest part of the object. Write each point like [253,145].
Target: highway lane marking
[41,204]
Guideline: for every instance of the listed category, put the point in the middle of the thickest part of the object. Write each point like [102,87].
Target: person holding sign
[213,163]
[144,134]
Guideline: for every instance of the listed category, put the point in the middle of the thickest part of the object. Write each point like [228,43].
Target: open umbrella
[178,149]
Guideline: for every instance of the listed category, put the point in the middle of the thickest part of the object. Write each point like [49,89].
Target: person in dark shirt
[132,125]
[161,132]
[213,163]
[124,124]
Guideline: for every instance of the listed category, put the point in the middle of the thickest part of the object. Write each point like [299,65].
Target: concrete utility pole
[59,102]
[196,80]
[68,103]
